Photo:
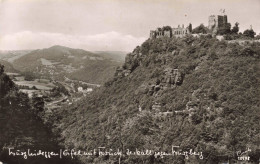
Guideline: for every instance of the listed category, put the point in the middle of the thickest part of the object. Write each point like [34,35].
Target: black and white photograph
[129,82]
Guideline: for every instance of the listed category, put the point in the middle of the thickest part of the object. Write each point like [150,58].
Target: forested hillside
[196,93]
[21,127]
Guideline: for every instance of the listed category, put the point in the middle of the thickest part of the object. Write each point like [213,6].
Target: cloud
[113,41]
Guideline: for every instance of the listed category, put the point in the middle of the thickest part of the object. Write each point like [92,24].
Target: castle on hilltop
[215,23]
[169,32]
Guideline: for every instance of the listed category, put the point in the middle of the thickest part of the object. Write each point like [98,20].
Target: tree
[190,27]
[249,33]
[235,29]
[6,84]
[200,29]
[167,28]
[196,119]
[1,69]
[37,104]
[258,36]
[28,76]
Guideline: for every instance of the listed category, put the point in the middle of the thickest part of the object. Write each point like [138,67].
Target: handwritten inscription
[29,153]
[103,151]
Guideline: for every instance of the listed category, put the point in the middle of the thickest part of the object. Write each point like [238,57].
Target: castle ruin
[182,31]
[169,32]
[216,22]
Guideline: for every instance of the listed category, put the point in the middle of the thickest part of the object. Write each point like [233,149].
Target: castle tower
[213,22]
[216,22]
[225,19]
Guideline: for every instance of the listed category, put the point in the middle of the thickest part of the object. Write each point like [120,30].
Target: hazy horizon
[108,25]
[61,46]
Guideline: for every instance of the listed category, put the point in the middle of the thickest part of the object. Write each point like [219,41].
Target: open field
[41,84]
[38,85]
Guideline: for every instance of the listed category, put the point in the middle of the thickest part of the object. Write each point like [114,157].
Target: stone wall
[167,33]
[177,32]
[180,31]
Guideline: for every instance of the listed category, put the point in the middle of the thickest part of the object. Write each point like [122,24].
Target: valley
[59,76]
[68,91]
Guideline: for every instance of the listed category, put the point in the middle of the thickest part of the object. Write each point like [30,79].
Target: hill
[195,93]
[11,55]
[8,66]
[58,61]
[114,55]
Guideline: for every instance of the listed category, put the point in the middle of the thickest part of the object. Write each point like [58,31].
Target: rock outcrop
[120,72]
[172,77]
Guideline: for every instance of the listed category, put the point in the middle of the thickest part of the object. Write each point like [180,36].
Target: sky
[109,25]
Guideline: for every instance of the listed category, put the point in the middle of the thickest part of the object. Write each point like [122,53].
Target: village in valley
[54,93]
